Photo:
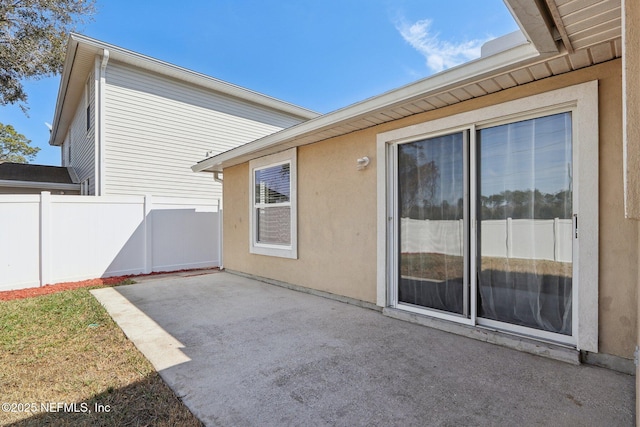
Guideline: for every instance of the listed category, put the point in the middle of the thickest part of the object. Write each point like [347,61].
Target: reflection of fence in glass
[543,239]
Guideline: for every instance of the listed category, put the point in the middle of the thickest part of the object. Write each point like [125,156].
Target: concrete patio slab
[242,352]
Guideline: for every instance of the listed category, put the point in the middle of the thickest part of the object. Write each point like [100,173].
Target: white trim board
[284,251]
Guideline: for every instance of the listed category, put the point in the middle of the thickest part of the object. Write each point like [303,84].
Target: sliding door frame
[582,101]
[467,137]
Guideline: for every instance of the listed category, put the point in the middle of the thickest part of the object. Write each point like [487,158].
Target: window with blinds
[273,208]
[272,204]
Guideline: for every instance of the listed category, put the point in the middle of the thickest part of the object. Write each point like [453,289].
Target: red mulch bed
[65,286]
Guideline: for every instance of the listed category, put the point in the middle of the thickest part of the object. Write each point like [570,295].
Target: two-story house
[129,124]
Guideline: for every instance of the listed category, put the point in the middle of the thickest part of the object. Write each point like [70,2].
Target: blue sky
[322,55]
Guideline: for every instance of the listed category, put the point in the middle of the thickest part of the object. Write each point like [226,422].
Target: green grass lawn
[64,349]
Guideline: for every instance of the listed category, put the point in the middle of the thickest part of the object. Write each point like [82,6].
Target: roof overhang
[37,176]
[364,112]
[80,60]
[542,55]
[41,185]
[536,24]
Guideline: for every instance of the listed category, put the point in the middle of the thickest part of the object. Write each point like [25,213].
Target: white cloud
[440,54]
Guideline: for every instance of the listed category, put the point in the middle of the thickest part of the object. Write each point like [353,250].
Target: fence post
[509,237]
[556,239]
[45,238]
[148,234]
[220,235]
[462,236]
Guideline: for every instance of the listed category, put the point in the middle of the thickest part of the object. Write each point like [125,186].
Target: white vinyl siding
[156,128]
[82,141]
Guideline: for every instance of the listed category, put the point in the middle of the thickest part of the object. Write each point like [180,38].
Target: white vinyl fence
[549,239]
[46,239]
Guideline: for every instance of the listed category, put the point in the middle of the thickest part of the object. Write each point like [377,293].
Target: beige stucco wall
[337,211]
[618,236]
[631,100]
[336,222]
[631,73]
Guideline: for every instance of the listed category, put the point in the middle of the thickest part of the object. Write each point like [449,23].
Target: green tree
[33,36]
[14,147]
[419,181]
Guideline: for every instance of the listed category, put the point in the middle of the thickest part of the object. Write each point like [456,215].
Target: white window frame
[255,247]
[582,101]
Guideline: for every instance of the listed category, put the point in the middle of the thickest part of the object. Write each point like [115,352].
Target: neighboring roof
[25,175]
[592,30]
[80,60]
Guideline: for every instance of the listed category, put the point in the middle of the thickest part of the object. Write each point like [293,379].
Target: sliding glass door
[431,186]
[525,226]
[485,227]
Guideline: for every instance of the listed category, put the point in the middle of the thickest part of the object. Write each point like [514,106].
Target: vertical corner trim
[100,130]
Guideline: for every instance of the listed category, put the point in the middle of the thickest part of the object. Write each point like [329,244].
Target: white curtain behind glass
[525,214]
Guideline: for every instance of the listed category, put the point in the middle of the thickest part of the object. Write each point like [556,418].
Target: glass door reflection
[525,228]
[431,205]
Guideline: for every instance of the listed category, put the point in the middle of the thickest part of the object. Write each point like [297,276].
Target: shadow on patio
[135,404]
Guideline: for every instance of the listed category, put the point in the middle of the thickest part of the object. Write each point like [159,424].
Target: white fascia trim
[532,20]
[72,49]
[153,64]
[439,82]
[35,184]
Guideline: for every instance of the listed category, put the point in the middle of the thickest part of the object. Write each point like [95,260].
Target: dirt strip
[105,281]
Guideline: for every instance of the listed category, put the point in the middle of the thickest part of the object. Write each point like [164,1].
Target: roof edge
[165,68]
[534,20]
[72,47]
[452,77]
[39,184]
[128,56]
